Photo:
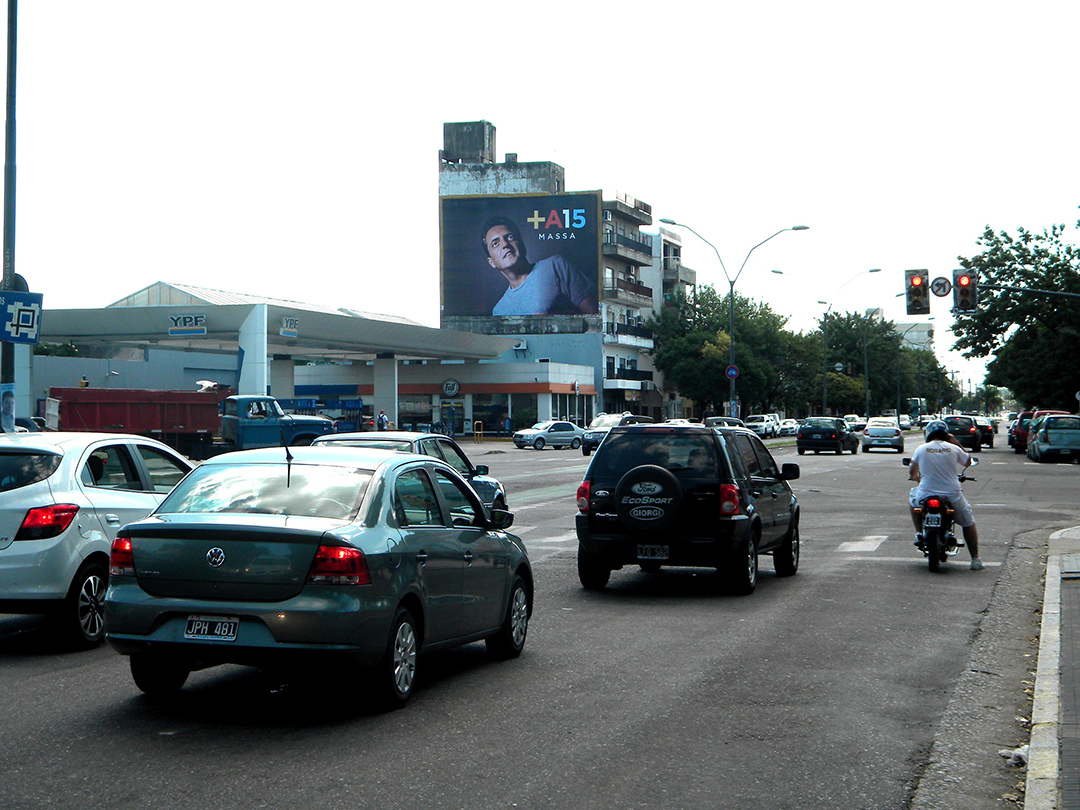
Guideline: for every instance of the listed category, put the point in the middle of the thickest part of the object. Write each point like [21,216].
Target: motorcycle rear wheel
[933,549]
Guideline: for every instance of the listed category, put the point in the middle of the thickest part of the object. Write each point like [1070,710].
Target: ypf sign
[22,316]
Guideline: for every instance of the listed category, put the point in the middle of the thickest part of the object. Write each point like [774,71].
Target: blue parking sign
[21,313]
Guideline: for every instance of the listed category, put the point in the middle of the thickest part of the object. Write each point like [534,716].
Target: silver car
[882,432]
[556,433]
[63,497]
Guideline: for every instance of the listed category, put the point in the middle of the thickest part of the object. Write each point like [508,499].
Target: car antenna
[288,460]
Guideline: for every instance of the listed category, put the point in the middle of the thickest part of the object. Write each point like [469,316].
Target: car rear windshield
[690,454]
[1063,423]
[398,445]
[820,423]
[310,490]
[21,468]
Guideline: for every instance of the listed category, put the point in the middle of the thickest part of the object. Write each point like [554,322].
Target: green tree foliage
[56,349]
[1035,338]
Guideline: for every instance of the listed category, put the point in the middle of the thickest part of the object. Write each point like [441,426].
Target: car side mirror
[481,469]
[789,472]
[501,519]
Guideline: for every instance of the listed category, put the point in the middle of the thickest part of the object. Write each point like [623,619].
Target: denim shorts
[962,514]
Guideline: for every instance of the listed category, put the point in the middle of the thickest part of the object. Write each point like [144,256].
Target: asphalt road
[863,682]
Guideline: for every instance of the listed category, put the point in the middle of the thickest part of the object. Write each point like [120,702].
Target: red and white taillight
[43,522]
[729,499]
[339,565]
[121,560]
[583,497]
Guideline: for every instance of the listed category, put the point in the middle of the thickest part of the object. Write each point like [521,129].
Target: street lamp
[732,371]
[825,349]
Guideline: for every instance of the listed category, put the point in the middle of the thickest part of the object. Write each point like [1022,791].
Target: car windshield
[606,420]
[819,423]
[750,419]
[881,423]
[1063,423]
[688,455]
[312,490]
[398,445]
[22,468]
[542,425]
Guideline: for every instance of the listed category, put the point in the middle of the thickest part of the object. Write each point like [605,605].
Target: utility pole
[7,349]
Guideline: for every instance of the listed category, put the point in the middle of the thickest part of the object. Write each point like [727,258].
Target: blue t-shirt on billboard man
[551,286]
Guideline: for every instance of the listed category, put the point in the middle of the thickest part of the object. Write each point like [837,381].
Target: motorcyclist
[935,466]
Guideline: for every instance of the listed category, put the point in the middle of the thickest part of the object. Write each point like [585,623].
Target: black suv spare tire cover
[648,498]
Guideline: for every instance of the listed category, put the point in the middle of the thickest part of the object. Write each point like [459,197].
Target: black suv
[686,495]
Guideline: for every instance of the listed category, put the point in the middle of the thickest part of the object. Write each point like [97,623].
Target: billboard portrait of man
[521,255]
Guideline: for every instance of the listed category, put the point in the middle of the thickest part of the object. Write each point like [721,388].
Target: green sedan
[300,556]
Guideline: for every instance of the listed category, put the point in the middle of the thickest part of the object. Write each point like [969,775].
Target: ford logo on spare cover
[647,488]
[646,513]
[215,557]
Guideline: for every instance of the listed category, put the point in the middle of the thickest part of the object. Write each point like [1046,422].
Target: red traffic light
[964,281]
[916,281]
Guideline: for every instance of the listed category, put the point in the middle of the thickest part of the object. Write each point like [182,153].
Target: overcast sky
[291,149]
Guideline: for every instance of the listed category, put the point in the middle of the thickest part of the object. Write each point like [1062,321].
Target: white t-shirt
[939,463]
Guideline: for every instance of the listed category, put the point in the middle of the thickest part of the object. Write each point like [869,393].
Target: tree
[1035,338]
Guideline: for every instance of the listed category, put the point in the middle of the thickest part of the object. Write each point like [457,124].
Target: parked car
[965,431]
[686,495]
[63,496]
[986,430]
[722,421]
[1020,431]
[789,427]
[882,432]
[555,433]
[1054,437]
[765,425]
[319,556]
[490,490]
[826,433]
[603,422]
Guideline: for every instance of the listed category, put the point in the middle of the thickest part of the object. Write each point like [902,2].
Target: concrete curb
[1041,789]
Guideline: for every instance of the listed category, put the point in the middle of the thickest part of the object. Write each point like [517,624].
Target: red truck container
[186,420]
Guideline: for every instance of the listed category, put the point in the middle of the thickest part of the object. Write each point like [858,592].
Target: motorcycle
[938,539]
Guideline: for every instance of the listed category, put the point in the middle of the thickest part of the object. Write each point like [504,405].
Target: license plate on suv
[653,552]
[215,628]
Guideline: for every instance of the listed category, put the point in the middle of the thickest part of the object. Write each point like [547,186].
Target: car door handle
[421,557]
[468,557]
[111,519]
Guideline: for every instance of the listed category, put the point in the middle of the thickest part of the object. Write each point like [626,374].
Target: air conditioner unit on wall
[521,346]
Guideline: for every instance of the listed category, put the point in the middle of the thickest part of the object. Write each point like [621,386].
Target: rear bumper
[618,550]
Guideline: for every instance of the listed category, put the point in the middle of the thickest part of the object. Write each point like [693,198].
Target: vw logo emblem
[215,557]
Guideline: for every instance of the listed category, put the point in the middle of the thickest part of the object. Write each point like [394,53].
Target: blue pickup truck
[258,421]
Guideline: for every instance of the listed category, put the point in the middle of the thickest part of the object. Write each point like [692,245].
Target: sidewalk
[1053,779]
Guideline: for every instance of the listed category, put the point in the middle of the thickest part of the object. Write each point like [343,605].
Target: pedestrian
[383,422]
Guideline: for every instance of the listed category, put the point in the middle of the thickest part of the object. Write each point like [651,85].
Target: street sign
[732,372]
[21,316]
[941,286]
[839,366]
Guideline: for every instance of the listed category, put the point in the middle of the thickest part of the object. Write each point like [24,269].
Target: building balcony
[677,273]
[629,379]
[637,249]
[628,292]
[628,335]
[627,207]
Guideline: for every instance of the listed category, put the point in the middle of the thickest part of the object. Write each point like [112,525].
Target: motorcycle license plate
[932,521]
[653,552]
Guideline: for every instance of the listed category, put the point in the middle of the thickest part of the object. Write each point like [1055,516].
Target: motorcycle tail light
[583,497]
[933,503]
[729,499]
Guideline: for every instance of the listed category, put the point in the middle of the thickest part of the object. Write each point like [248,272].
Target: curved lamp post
[825,350]
[731,296]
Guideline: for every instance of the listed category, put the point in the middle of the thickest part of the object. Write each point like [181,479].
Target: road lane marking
[866,544]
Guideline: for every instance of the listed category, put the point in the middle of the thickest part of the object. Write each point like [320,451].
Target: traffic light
[918,292]
[965,290]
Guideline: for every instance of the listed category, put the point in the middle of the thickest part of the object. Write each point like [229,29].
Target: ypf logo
[215,557]
[647,488]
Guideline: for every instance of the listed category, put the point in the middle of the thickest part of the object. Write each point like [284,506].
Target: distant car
[789,427]
[765,425]
[63,496]
[965,431]
[827,433]
[986,430]
[1020,431]
[558,434]
[723,421]
[603,422]
[1054,437]
[330,557]
[490,490]
[882,432]
[905,422]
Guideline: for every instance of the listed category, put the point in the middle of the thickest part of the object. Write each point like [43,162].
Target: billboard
[525,254]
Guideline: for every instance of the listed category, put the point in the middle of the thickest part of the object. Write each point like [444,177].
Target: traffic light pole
[1028,290]
[7,349]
